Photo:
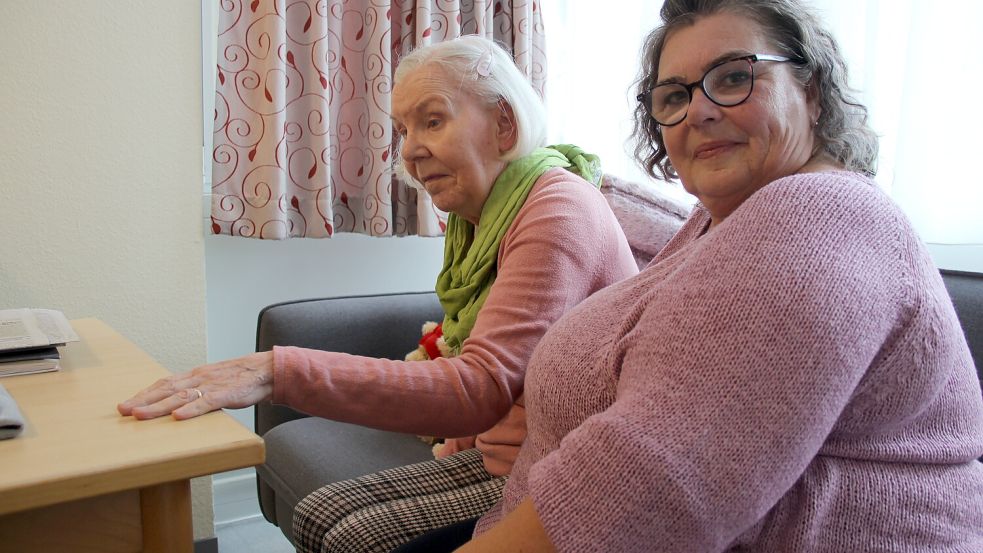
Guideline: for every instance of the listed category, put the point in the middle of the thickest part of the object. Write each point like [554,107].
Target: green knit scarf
[471,258]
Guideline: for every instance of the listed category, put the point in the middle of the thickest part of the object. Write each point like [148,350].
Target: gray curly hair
[842,131]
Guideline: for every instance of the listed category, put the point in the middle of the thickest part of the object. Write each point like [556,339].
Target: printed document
[34,328]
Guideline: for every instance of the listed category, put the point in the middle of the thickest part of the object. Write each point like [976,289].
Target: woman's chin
[439,203]
[710,180]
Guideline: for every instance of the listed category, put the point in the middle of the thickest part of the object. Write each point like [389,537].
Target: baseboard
[206,545]
[234,497]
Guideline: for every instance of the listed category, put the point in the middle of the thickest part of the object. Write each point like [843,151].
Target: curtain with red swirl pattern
[303,143]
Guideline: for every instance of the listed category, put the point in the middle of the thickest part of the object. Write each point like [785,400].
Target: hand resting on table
[235,383]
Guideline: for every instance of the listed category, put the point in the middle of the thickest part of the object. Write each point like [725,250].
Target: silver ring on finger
[198,394]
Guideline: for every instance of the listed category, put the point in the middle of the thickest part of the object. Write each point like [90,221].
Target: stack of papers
[29,340]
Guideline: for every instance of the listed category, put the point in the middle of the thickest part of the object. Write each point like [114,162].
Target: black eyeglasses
[727,84]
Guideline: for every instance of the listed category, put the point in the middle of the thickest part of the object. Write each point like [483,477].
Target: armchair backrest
[384,325]
[966,291]
[648,217]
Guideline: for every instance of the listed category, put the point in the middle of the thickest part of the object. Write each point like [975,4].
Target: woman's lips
[431,178]
[711,149]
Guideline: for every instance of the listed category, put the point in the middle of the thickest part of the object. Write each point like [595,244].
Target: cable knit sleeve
[563,245]
[730,371]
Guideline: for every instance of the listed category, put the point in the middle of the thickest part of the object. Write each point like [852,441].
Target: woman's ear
[506,127]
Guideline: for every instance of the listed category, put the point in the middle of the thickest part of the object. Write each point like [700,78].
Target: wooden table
[82,478]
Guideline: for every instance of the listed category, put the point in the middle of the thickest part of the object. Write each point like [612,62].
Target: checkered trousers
[378,512]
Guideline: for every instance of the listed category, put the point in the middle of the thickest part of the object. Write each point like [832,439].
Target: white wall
[100,172]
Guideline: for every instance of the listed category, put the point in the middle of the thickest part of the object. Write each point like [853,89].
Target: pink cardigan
[794,379]
[564,245]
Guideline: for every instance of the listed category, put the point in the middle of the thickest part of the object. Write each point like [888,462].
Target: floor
[252,536]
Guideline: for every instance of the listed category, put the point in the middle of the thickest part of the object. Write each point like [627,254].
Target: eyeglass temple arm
[770,57]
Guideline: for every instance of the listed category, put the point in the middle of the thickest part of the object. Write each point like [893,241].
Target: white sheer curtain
[593,50]
[918,68]
[916,65]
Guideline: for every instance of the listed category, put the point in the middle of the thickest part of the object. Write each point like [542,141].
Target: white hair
[487,71]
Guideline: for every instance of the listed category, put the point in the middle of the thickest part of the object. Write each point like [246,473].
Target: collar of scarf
[471,256]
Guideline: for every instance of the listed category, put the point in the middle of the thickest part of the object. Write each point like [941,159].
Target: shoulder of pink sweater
[563,212]
[805,203]
[810,190]
[558,183]
[798,200]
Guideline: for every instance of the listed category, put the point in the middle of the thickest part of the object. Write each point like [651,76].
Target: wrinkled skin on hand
[235,383]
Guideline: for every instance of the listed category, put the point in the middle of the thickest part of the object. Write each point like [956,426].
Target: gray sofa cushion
[966,291]
[302,455]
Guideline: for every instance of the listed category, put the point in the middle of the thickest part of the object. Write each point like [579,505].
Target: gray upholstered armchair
[304,453]
[309,452]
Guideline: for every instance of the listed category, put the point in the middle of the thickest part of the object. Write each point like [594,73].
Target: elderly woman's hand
[235,383]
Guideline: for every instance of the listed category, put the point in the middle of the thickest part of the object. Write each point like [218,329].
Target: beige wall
[100,172]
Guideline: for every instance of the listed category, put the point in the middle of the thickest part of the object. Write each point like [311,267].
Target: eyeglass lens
[727,84]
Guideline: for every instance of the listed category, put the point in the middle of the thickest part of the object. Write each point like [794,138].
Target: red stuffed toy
[432,345]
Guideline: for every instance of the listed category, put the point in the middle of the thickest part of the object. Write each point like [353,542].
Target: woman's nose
[412,148]
[701,109]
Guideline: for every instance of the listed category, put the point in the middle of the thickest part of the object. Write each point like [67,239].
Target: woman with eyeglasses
[788,374]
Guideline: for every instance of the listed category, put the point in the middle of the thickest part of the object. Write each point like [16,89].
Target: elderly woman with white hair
[529,236]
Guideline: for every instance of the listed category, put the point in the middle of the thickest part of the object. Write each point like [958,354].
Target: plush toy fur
[432,341]
[432,333]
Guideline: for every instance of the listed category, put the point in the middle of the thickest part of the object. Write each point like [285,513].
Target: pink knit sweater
[793,380]
[564,245]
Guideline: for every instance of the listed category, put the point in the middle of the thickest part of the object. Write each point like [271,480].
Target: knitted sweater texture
[793,380]
[563,245]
